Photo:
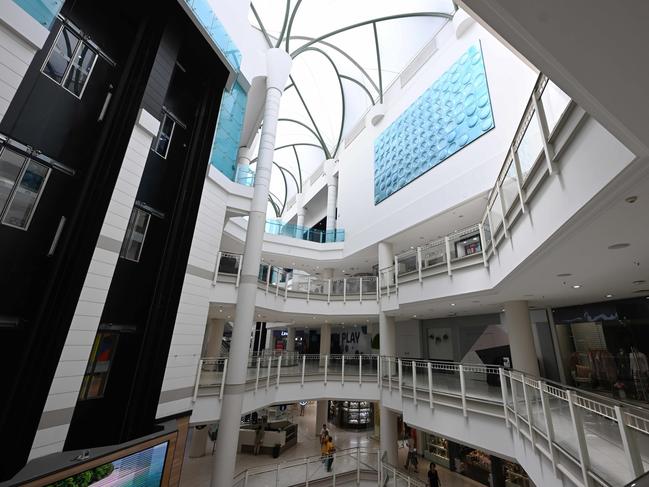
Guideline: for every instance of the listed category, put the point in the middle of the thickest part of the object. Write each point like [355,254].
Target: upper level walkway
[560,435]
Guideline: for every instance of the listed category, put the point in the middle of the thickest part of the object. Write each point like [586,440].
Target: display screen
[141,469]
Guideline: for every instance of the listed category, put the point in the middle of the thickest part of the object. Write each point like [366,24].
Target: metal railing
[341,467]
[305,233]
[588,438]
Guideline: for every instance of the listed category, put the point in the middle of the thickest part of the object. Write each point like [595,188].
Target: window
[98,368]
[22,181]
[163,140]
[135,235]
[70,62]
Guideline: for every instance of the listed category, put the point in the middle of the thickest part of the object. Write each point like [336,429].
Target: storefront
[604,347]
[352,414]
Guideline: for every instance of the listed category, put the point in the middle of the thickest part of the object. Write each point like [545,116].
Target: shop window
[163,140]
[22,181]
[98,368]
[135,235]
[70,62]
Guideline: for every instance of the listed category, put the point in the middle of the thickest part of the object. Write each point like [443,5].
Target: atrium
[324,243]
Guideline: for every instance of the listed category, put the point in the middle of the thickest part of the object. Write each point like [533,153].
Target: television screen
[141,469]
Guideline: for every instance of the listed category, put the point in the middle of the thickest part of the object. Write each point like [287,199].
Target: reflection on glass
[25,197]
[509,187]
[164,137]
[10,165]
[135,235]
[61,55]
[530,146]
[554,102]
[80,70]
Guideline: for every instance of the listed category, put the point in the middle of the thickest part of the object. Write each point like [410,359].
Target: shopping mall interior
[285,243]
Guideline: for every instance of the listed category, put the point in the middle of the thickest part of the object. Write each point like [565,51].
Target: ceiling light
[411,247]
[220,310]
[609,295]
[576,286]
[414,316]
[639,281]
[631,199]
[618,246]
[565,274]
[313,317]
[452,304]
[229,316]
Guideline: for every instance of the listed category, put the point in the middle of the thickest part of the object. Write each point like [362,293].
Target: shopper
[433,476]
[259,436]
[324,434]
[330,449]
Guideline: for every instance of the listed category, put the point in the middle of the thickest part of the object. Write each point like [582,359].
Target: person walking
[259,436]
[433,476]
[324,434]
[330,449]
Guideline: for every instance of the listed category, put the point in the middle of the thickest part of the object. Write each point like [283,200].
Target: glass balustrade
[305,233]
[43,11]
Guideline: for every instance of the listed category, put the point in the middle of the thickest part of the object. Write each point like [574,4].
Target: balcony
[305,233]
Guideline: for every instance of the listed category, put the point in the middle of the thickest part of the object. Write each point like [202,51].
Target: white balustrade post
[578,428]
[258,369]
[360,289]
[447,244]
[378,287]
[342,371]
[329,291]
[277,475]
[400,370]
[236,284]
[245,478]
[502,209]
[308,288]
[387,282]
[512,384]
[419,263]
[631,451]
[268,273]
[225,371]
[277,284]
[528,410]
[389,359]
[358,466]
[463,390]
[198,379]
[333,470]
[216,268]
[326,368]
[549,427]
[303,367]
[519,179]
[396,273]
[483,245]
[345,290]
[429,366]
[541,119]
[270,361]
[286,287]
[360,369]
[306,471]
[279,369]
[503,390]
[379,465]
[491,226]
[414,381]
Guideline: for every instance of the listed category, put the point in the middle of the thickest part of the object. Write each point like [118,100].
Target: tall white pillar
[321,415]
[214,337]
[521,338]
[325,342]
[243,164]
[199,441]
[278,65]
[332,197]
[300,209]
[290,339]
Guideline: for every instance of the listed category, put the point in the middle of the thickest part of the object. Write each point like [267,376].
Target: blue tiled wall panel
[228,130]
[43,11]
[451,114]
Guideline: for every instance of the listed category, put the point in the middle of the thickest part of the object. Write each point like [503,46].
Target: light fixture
[576,286]
[229,316]
[618,246]
[631,199]
[411,247]
[220,310]
[639,281]
[414,316]
[609,295]
[565,274]
[452,304]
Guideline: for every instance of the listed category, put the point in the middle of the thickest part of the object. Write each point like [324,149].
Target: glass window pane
[530,146]
[80,70]
[135,235]
[10,165]
[61,55]
[164,137]
[509,187]
[555,102]
[23,202]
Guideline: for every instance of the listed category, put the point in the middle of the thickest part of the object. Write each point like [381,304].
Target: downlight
[618,246]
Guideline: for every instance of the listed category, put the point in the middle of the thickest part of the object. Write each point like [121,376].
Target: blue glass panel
[228,131]
[43,11]
[451,114]
[216,31]
[275,227]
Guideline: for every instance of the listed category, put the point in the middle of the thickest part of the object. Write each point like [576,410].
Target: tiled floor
[196,471]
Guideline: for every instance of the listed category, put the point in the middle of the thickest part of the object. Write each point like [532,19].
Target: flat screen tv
[140,469]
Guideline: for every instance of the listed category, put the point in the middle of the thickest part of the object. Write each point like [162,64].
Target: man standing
[433,476]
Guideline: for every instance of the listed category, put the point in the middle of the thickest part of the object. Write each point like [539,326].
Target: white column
[214,337]
[325,342]
[278,65]
[199,442]
[521,339]
[243,163]
[269,340]
[386,258]
[290,339]
[321,415]
[300,209]
[332,195]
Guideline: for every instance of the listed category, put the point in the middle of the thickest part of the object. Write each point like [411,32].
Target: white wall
[464,175]
[408,339]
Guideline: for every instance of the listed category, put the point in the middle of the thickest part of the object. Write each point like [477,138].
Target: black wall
[187,80]
[41,292]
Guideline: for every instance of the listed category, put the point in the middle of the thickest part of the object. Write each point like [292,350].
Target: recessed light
[414,316]
[452,304]
[618,246]
[639,281]
[502,310]
[220,311]
[313,317]
[411,247]
[565,274]
[631,199]
[609,295]
[229,316]
[576,286]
